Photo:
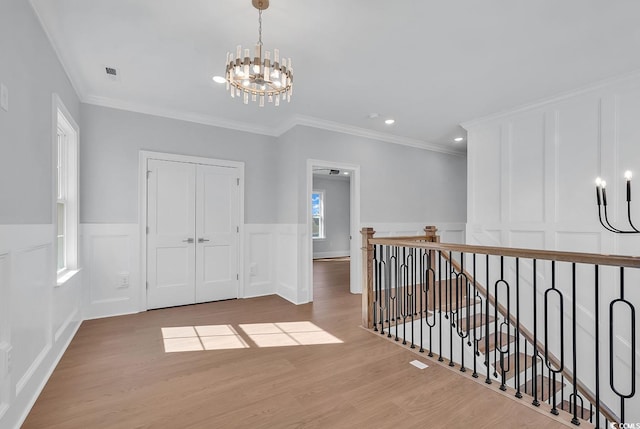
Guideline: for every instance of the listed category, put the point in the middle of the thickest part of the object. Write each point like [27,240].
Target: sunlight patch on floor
[288,334]
[198,338]
[225,337]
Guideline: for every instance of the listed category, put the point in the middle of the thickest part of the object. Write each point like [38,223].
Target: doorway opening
[333,220]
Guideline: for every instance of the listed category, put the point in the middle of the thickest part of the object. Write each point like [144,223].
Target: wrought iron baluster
[440,359]
[452,313]
[376,279]
[505,367]
[548,363]
[632,389]
[462,286]
[517,356]
[431,285]
[574,343]
[422,299]
[534,366]
[476,340]
[597,343]
[486,326]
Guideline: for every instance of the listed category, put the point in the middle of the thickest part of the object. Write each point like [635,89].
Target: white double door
[192,236]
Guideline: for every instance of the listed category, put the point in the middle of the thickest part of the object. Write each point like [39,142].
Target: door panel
[217,221]
[171,223]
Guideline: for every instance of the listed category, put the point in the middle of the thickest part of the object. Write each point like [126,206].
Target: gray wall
[31,71]
[336,216]
[113,138]
[398,183]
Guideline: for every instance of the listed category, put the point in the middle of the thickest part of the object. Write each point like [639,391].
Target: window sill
[65,276]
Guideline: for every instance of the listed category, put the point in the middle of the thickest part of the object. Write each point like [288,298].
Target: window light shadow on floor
[197,338]
[225,337]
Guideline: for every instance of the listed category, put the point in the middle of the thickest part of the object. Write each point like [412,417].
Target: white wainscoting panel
[554,152]
[288,263]
[35,324]
[31,298]
[111,251]
[260,260]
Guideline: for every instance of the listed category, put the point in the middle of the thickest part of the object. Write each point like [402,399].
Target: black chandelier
[601,198]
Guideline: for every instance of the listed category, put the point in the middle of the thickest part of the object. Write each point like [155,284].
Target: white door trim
[355,251]
[143,157]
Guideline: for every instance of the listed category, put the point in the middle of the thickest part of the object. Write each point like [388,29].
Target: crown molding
[293,121]
[309,121]
[178,115]
[73,79]
[635,74]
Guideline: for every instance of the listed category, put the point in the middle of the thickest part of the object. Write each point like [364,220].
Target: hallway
[117,374]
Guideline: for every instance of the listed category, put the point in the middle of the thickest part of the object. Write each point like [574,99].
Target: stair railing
[418,290]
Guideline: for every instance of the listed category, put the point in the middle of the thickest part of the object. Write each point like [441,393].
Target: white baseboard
[34,397]
[334,254]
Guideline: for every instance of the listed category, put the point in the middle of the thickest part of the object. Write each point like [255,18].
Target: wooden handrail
[546,255]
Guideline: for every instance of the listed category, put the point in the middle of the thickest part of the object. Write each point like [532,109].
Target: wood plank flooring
[116,374]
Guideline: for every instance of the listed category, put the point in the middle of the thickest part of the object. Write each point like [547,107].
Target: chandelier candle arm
[601,200]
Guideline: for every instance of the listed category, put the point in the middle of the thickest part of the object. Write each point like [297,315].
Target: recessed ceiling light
[389,121]
[219,79]
[458,139]
[346,173]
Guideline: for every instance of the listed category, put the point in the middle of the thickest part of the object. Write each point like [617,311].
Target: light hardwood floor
[116,374]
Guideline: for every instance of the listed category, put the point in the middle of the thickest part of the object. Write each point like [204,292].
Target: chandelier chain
[260,26]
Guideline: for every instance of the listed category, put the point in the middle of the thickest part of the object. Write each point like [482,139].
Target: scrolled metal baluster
[486,327]
[461,278]
[392,285]
[498,328]
[376,280]
[422,301]
[574,344]
[534,366]
[632,389]
[412,300]
[476,340]
[430,285]
[440,358]
[573,407]
[548,363]
[453,313]
[597,343]
[406,292]
[381,270]
[517,356]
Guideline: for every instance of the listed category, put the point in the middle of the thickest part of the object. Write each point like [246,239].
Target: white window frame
[66,136]
[322,233]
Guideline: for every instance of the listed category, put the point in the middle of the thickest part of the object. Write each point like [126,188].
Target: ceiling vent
[111,71]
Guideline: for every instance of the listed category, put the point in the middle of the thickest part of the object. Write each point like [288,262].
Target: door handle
[202,240]
[188,240]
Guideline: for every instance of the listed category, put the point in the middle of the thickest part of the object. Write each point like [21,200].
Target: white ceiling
[430,64]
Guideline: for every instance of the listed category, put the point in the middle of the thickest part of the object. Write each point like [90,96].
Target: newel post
[367,278]
[431,232]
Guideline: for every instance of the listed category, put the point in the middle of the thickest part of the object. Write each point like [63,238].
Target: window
[61,204]
[66,188]
[317,214]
